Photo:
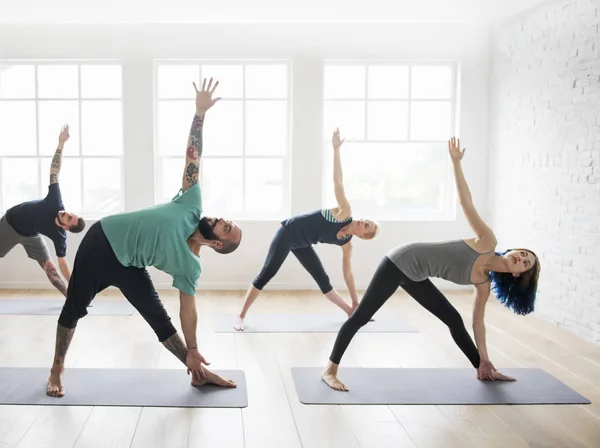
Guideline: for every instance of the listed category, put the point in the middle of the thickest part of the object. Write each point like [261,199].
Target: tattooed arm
[50,269]
[194,152]
[204,101]
[63,264]
[188,352]
[57,159]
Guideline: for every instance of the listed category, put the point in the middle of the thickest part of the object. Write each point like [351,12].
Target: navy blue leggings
[385,282]
[281,245]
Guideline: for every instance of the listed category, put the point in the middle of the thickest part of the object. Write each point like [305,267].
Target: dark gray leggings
[385,282]
[281,245]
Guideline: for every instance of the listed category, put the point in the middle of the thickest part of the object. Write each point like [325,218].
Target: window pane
[344,82]
[19,181]
[388,82]
[264,185]
[17,128]
[175,81]
[69,180]
[53,115]
[223,129]
[222,186]
[430,120]
[396,180]
[431,82]
[230,77]
[101,128]
[101,81]
[57,81]
[102,186]
[17,81]
[174,123]
[266,81]
[266,128]
[171,173]
[387,120]
[349,116]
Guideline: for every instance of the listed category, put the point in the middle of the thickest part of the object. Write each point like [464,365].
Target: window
[36,99]
[397,119]
[244,170]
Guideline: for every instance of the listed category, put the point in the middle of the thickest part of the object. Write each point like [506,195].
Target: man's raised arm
[204,101]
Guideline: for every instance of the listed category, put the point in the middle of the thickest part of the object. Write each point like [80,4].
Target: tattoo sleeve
[55,166]
[63,340]
[193,153]
[176,346]
[55,279]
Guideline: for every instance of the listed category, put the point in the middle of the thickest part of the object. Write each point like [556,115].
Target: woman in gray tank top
[299,233]
[513,273]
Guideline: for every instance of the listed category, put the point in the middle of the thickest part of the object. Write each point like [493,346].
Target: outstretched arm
[57,159]
[348,275]
[63,264]
[344,210]
[481,229]
[204,101]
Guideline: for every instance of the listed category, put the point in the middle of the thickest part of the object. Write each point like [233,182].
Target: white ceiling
[260,11]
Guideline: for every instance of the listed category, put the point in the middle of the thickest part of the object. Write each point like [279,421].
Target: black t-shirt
[35,217]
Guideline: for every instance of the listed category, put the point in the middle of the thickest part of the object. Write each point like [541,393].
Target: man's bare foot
[332,381]
[213,378]
[55,386]
[239,324]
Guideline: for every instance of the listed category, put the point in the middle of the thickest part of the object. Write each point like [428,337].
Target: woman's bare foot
[55,386]
[330,377]
[333,382]
[239,324]
[213,378]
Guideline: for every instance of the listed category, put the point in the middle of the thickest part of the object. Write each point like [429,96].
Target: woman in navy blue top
[299,233]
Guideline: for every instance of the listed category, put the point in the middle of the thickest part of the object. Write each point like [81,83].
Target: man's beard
[206,229]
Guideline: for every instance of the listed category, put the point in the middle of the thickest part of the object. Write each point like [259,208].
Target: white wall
[137,46]
[545,153]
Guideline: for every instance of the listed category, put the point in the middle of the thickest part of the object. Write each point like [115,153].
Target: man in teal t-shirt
[117,250]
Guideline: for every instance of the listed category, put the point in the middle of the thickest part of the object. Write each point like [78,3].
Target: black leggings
[96,267]
[385,282]
[278,252]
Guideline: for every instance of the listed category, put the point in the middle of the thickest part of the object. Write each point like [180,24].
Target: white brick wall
[545,153]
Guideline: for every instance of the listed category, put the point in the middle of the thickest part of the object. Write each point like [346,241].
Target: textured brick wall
[544,172]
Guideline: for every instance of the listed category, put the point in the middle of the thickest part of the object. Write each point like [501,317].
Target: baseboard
[230,286]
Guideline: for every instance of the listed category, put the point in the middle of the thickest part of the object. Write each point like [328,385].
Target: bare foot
[213,378]
[55,386]
[332,381]
[239,324]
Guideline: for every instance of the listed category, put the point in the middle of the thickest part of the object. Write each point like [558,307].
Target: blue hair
[516,293]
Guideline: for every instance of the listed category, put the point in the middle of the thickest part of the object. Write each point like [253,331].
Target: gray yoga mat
[99,307]
[432,386]
[122,387]
[310,323]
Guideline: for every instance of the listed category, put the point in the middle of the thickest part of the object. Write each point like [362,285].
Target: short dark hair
[229,246]
[78,227]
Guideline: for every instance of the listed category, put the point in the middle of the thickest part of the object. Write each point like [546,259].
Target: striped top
[319,226]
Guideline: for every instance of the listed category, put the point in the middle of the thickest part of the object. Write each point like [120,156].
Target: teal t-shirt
[157,236]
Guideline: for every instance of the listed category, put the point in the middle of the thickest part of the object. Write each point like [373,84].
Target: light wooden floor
[275,418]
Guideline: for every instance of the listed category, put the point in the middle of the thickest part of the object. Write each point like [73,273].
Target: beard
[207,229]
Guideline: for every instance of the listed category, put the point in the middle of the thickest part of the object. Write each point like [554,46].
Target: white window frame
[448,211]
[81,157]
[286,157]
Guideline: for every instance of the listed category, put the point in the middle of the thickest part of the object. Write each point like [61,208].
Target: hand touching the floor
[487,372]
[239,324]
[194,361]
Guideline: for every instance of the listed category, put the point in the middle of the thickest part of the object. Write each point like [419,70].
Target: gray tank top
[450,260]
